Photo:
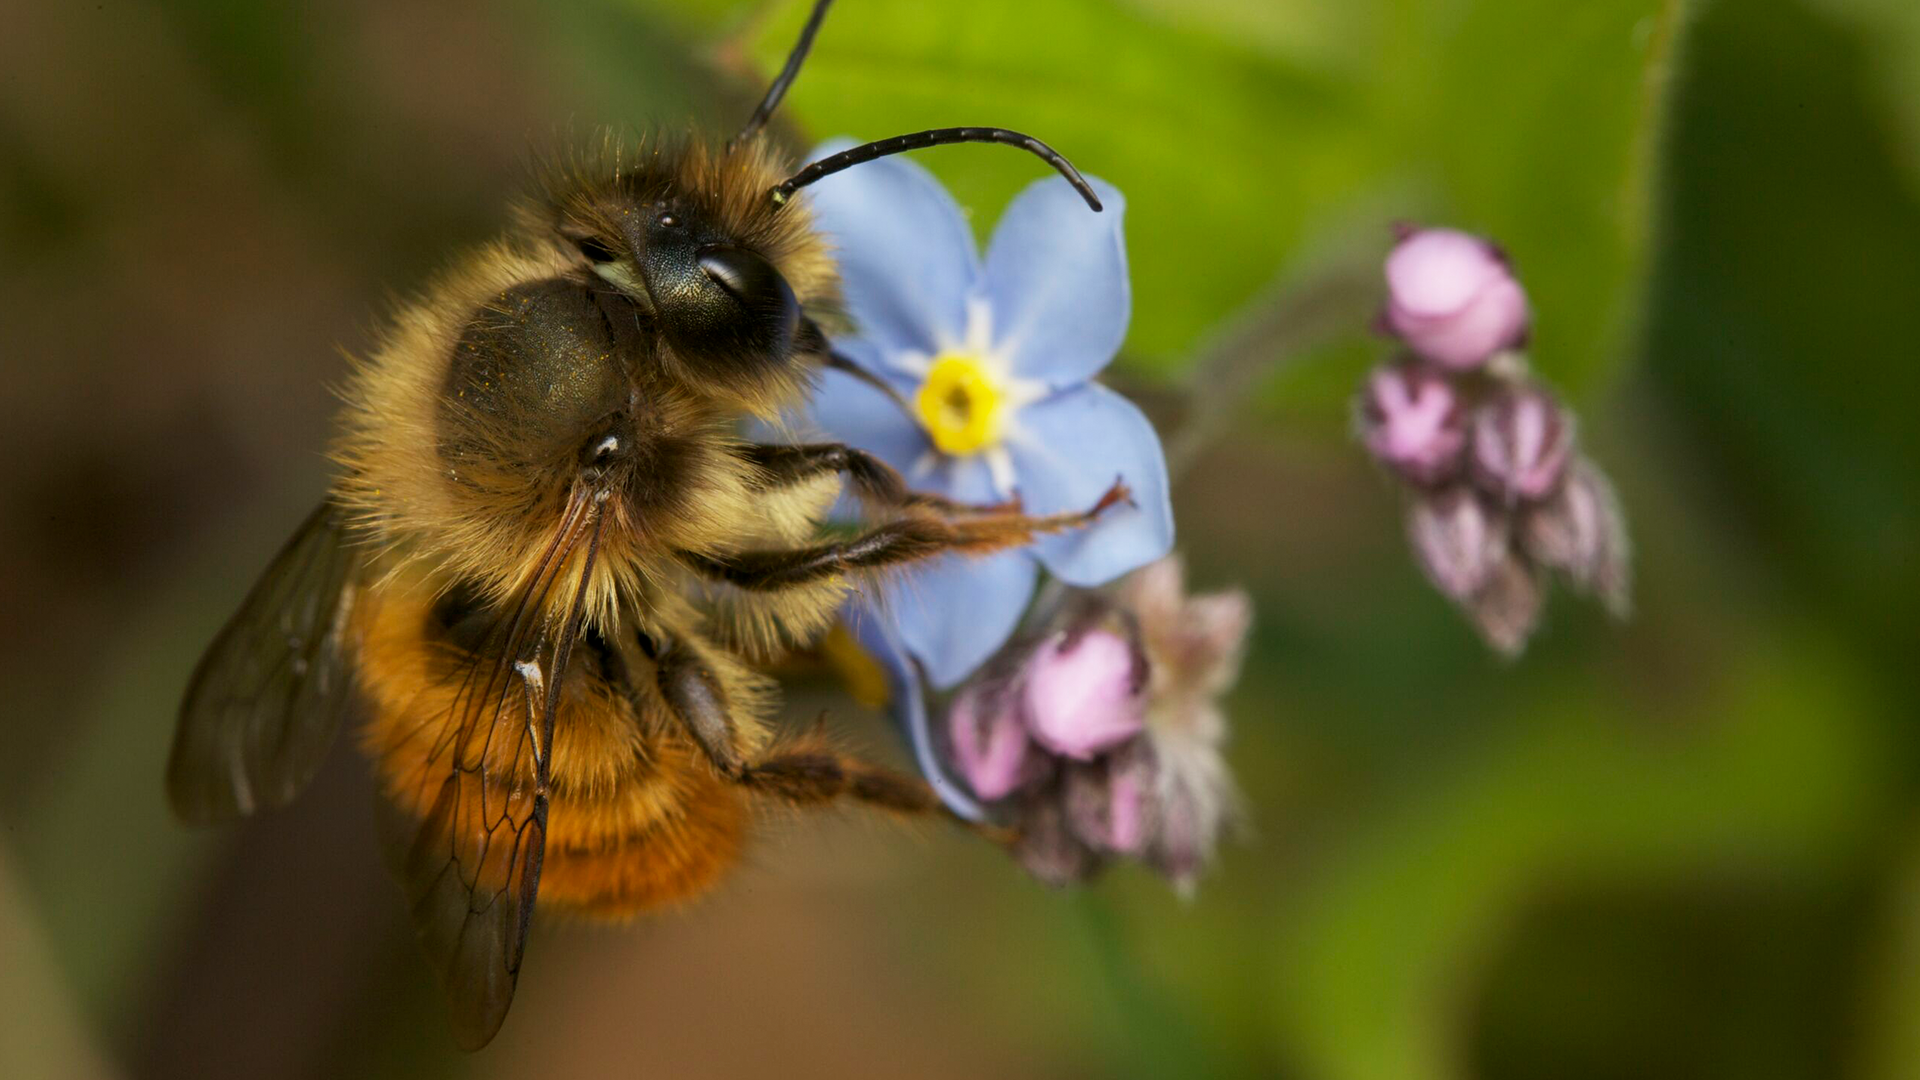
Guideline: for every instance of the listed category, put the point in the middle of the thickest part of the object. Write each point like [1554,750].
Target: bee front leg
[907,539]
[877,483]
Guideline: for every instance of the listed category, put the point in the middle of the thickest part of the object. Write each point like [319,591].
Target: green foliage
[1376,956]
[1696,829]
[1248,137]
[1774,322]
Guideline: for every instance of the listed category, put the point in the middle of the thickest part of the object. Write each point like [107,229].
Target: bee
[551,570]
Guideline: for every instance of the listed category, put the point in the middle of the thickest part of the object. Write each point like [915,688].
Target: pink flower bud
[1108,800]
[1184,845]
[1413,423]
[1459,541]
[1507,608]
[1082,694]
[1157,592]
[1195,803]
[1215,637]
[1193,644]
[1581,533]
[1046,845]
[1521,441]
[989,743]
[1453,299]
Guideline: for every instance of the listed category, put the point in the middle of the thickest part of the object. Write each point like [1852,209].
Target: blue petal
[967,479]
[1067,450]
[848,410]
[906,255]
[1056,276]
[953,612]
[908,704]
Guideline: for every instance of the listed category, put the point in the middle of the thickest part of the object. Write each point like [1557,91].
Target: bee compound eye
[747,277]
[759,289]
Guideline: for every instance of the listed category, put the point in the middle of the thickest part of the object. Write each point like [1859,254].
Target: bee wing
[469,862]
[270,694]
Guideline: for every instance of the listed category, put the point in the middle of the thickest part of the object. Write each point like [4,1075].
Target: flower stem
[1164,1039]
[1270,333]
[1284,323]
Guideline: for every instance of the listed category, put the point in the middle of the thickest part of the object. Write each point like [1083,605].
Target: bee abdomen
[658,840]
[637,818]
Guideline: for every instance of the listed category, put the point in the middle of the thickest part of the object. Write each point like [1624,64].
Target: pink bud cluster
[1100,737]
[1501,495]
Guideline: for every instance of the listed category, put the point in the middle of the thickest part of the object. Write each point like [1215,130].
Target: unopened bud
[1047,846]
[1109,799]
[1507,607]
[1453,298]
[989,744]
[1216,636]
[1582,533]
[1082,693]
[1521,441]
[1458,540]
[1413,423]
[1196,801]
[1193,643]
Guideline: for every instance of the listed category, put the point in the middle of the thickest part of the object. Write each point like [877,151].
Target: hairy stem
[1271,333]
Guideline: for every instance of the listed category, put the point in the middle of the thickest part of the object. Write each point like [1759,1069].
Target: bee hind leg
[806,772]
[814,774]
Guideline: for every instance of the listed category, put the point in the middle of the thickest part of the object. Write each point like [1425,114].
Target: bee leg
[694,694]
[906,539]
[805,773]
[799,774]
[813,774]
[877,483]
[810,774]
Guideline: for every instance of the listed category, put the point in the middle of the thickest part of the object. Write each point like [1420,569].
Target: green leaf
[1247,135]
[1204,138]
[1536,121]
[1889,31]
[1782,320]
[1379,956]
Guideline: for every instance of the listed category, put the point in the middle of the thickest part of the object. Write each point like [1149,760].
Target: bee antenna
[787,74]
[919,140]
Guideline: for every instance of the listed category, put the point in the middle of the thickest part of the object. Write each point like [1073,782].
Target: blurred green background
[1685,847]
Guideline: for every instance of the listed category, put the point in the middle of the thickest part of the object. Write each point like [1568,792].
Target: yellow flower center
[959,405]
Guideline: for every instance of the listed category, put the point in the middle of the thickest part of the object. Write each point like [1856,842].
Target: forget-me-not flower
[993,360]
[1096,736]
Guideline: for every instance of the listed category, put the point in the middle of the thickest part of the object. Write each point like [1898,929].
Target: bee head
[713,249]
[722,279]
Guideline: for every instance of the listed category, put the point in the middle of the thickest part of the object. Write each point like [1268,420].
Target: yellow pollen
[959,405]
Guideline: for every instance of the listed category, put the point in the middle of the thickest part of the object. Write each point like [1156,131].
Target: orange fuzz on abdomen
[637,817]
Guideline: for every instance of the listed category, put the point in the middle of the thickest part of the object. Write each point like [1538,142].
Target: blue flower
[994,359]
[907,704]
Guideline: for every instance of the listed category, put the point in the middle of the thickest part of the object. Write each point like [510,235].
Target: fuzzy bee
[546,578]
